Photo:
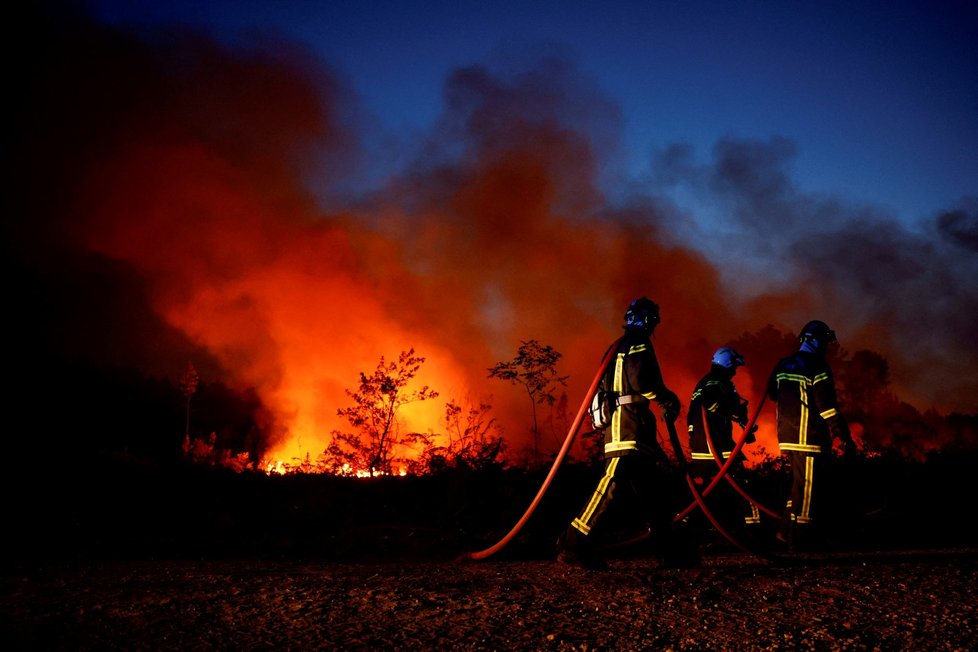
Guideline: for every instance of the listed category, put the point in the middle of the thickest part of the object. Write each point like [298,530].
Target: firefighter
[809,420]
[713,409]
[635,467]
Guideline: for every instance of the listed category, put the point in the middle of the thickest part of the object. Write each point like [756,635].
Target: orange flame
[201,188]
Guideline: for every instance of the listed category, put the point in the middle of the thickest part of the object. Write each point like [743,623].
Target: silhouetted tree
[474,439]
[761,350]
[373,415]
[535,369]
[559,419]
[863,380]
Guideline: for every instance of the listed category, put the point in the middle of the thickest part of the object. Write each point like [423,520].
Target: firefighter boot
[574,549]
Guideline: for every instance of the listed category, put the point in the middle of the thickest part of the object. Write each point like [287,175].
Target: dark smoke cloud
[961,226]
[909,294]
[192,178]
[750,175]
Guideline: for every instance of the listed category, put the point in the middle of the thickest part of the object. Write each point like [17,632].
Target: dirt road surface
[922,600]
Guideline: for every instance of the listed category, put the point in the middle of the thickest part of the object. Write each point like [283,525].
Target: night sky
[878,99]
[284,192]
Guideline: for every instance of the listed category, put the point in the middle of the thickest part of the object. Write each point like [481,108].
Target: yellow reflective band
[803,420]
[583,522]
[797,378]
[784,375]
[820,377]
[755,515]
[616,446]
[828,414]
[801,448]
[638,348]
[580,527]
[806,504]
[617,384]
[616,425]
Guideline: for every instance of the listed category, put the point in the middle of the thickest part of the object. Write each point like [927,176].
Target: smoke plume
[175,199]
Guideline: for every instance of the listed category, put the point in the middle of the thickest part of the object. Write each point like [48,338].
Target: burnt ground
[138,557]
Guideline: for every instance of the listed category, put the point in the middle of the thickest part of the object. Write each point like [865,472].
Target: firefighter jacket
[715,397]
[808,412]
[633,374]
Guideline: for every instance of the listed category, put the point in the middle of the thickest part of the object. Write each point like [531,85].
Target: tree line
[74,410]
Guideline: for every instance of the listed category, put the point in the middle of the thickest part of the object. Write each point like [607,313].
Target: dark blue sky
[879,98]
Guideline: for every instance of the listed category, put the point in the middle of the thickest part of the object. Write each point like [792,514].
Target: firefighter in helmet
[713,409]
[809,420]
[635,464]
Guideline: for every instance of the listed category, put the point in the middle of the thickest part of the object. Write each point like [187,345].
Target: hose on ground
[568,441]
[728,477]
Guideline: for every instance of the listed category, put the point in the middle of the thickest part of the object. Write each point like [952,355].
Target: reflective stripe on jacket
[717,396]
[803,386]
[633,371]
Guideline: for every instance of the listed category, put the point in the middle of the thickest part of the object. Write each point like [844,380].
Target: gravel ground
[924,600]
[186,558]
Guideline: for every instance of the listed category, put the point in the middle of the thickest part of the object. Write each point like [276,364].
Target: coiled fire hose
[568,441]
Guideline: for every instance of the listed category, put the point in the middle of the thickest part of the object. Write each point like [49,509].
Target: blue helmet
[727,358]
[817,331]
[642,313]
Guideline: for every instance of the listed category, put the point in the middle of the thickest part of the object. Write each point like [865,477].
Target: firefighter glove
[750,438]
[670,405]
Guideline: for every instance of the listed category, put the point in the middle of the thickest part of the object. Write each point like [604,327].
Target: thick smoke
[193,178]
[961,226]
[909,294]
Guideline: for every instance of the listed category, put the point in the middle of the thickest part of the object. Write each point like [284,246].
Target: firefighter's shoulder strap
[606,400]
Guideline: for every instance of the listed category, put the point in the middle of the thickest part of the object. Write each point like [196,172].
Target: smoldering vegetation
[120,508]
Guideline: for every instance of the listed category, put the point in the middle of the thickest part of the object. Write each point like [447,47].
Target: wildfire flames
[217,185]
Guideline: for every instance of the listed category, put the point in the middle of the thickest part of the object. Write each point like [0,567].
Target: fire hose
[729,478]
[698,497]
[725,466]
[723,473]
[568,441]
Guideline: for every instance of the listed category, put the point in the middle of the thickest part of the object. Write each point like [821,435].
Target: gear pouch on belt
[603,405]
